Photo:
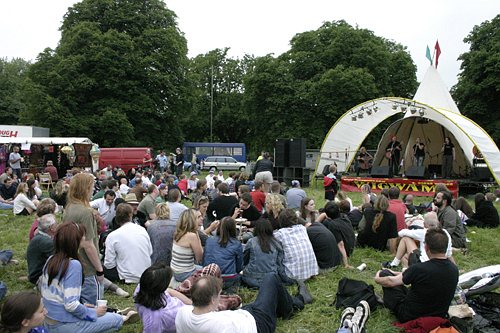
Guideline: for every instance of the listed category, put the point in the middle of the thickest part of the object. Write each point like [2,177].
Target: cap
[211,171]
[193,173]
[162,186]
[295,183]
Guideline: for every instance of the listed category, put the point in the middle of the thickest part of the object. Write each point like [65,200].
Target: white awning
[43,140]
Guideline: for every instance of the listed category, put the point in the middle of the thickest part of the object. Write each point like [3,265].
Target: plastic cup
[361,267]
[102,302]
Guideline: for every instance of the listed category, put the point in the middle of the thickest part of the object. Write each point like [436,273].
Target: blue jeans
[5,256]
[91,290]
[5,206]
[110,322]
[272,301]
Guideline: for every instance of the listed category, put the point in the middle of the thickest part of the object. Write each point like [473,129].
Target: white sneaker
[122,293]
[346,316]
[360,316]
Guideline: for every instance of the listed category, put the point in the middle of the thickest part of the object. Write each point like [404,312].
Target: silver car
[222,163]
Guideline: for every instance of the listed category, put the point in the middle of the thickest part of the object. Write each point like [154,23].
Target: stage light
[360,115]
[421,112]
[403,108]
[413,110]
[369,111]
[353,118]
[375,109]
[394,106]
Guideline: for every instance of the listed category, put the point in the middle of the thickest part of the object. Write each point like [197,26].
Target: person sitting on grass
[308,210]
[226,251]
[156,303]
[380,228]
[23,312]
[61,284]
[486,215]
[263,255]
[273,301]
[41,246]
[46,206]
[433,283]
[23,205]
[408,252]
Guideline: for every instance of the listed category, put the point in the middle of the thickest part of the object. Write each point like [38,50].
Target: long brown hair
[17,308]
[226,230]
[80,189]
[381,205]
[66,244]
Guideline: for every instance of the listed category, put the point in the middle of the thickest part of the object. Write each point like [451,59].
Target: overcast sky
[260,27]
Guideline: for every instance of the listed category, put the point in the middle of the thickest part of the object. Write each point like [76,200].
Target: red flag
[438,52]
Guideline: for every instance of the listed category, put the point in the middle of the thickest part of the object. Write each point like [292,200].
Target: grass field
[317,317]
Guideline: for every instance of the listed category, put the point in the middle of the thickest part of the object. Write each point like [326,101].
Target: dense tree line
[121,76]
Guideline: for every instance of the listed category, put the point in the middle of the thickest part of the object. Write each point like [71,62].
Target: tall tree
[117,76]
[478,89]
[327,71]
[12,75]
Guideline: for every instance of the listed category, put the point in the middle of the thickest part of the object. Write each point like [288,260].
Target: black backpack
[351,292]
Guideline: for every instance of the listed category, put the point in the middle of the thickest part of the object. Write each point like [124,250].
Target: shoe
[131,318]
[360,316]
[304,292]
[122,293]
[346,315]
[125,311]
[388,265]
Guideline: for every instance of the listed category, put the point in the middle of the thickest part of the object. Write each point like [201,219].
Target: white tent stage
[431,116]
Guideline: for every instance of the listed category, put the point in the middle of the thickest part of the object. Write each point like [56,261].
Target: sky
[261,27]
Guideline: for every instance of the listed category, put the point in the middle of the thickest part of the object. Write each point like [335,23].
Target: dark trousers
[272,301]
[447,166]
[111,274]
[394,166]
[394,298]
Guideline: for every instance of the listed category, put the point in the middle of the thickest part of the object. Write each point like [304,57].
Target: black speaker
[380,171]
[416,172]
[434,169]
[297,153]
[481,174]
[281,153]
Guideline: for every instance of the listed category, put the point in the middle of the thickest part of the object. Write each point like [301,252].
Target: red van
[125,158]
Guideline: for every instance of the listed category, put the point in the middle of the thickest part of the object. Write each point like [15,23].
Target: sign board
[14,131]
[420,187]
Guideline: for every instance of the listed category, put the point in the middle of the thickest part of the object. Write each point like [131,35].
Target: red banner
[421,187]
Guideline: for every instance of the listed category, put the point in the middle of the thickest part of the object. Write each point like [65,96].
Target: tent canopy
[420,119]
[44,140]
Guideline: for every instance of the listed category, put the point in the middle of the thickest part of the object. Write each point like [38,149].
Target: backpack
[350,292]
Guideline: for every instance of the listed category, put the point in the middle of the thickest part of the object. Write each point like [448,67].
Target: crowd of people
[241,230]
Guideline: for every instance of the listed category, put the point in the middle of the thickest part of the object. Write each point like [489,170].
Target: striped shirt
[182,259]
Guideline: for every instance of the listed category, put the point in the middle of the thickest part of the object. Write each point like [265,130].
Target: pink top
[398,208]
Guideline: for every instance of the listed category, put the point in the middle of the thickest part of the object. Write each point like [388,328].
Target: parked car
[222,163]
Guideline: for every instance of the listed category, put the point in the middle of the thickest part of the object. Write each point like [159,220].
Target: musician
[393,153]
[418,152]
[364,161]
[448,151]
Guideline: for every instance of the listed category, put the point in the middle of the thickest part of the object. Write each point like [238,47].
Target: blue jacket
[229,258]
[259,263]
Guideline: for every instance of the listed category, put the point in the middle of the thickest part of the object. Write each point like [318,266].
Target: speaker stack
[415,172]
[380,171]
[281,153]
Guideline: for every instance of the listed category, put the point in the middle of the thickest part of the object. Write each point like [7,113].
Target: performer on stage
[448,151]
[365,161]
[418,152]
[393,153]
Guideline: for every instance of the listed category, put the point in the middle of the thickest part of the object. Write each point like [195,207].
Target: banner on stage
[421,187]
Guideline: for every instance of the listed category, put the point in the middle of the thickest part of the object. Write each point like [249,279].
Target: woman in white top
[186,249]
[23,205]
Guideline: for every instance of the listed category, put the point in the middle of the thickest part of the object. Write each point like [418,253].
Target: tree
[478,89]
[302,92]
[117,76]
[12,75]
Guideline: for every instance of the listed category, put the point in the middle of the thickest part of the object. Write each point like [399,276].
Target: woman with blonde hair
[186,248]
[161,232]
[23,205]
[78,210]
[60,193]
[380,228]
[274,206]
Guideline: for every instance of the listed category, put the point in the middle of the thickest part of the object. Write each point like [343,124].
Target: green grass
[317,317]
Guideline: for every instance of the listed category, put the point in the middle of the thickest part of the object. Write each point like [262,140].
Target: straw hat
[131,199]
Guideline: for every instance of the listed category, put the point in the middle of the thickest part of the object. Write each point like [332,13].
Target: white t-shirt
[419,235]
[237,321]
[129,249]
[176,209]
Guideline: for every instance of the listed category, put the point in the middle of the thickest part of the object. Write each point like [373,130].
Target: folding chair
[44,179]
